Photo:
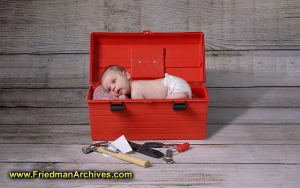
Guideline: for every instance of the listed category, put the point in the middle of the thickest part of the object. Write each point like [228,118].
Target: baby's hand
[122,97]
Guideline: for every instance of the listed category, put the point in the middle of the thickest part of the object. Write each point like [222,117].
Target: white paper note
[122,144]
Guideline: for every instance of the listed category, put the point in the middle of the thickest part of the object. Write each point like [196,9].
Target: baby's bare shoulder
[137,90]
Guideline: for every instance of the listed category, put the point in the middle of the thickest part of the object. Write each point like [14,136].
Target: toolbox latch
[179,105]
[116,107]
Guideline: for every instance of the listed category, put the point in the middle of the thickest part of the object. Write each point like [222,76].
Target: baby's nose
[114,91]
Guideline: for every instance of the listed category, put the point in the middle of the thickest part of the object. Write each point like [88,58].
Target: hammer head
[93,147]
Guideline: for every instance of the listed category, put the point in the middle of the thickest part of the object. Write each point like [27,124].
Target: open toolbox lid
[149,55]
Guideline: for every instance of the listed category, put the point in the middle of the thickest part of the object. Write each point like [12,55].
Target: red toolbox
[149,55]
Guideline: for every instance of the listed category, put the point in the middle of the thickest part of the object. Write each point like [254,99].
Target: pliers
[178,147]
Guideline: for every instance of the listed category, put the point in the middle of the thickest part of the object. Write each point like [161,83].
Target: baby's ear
[127,74]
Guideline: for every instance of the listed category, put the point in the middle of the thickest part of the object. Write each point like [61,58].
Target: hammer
[101,148]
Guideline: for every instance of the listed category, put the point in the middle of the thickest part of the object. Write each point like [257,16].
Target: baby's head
[116,80]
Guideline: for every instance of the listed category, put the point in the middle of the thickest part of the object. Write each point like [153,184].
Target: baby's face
[116,83]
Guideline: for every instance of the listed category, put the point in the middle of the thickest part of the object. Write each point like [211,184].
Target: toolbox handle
[179,105]
[116,107]
[147,32]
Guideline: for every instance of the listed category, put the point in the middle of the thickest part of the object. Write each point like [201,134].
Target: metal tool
[178,147]
[101,148]
[168,157]
[145,150]
[93,147]
[158,144]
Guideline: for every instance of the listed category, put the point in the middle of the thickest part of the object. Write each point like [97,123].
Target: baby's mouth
[119,91]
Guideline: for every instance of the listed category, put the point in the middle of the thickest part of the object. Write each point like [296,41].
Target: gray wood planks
[216,134]
[233,154]
[218,97]
[56,27]
[44,119]
[79,116]
[223,69]
[192,175]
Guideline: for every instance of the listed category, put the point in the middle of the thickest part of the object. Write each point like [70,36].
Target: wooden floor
[250,154]
[252,75]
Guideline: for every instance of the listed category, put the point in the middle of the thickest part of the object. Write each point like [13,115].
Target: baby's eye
[114,81]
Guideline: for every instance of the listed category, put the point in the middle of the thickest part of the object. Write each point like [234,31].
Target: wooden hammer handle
[125,157]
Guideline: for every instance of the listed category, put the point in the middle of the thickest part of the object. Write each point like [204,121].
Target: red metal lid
[149,55]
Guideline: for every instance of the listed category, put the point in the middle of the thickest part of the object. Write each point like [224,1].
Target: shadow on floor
[227,104]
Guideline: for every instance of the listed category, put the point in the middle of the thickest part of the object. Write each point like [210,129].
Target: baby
[117,81]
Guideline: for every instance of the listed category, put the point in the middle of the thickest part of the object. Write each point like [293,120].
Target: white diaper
[176,84]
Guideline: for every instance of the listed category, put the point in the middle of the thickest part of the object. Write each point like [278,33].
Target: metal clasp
[117,106]
[179,105]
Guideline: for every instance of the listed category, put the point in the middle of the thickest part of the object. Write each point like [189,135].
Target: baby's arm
[123,97]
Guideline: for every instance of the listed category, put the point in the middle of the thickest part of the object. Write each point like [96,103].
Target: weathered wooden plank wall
[253,79]
[63,27]
[224,69]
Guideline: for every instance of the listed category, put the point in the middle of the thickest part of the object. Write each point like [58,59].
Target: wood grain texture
[43,97]
[252,66]
[223,69]
[192,175]
[44,71]
[78,116]
[198,154]
[216,134]
[219,97]
[254,97]
[64,27]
